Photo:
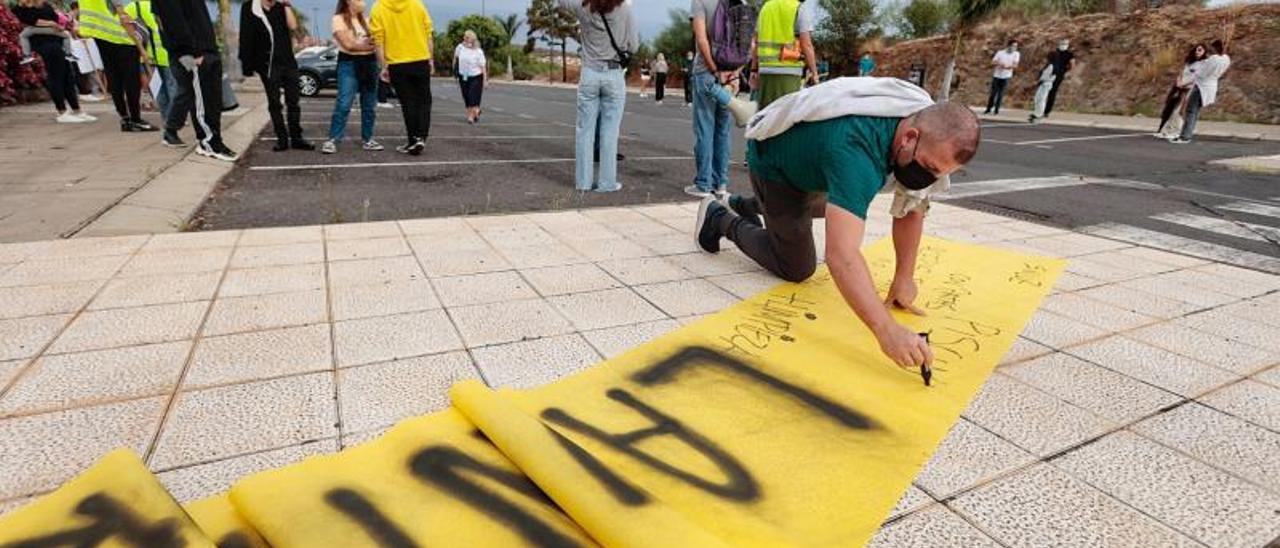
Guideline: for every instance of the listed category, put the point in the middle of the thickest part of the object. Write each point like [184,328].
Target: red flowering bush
[15,76]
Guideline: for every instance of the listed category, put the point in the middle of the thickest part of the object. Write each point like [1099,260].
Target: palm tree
[556,25]
[511,26]
[967,14]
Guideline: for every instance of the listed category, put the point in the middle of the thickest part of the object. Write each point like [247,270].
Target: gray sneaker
[328,147]
[693,190]
[373,146]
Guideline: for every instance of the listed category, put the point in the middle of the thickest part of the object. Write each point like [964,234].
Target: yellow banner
[774,422]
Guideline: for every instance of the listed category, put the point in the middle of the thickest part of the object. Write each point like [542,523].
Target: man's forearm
[907,232]
[704,45]
[853,278]
[810,56]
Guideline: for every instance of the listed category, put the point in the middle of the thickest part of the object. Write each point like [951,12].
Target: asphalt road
[520,157]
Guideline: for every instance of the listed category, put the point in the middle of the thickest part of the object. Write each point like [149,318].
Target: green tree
[677,37]
[839,35]
[556,26]
[490,34]
[921,18]
[510,25]
[967,14]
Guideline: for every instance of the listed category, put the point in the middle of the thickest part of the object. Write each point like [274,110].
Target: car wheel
[308,85]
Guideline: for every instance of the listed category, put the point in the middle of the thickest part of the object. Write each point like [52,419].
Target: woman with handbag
[609,38]
[473,71]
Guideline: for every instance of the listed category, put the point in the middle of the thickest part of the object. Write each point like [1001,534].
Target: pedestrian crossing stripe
[774,422]
[1185,246]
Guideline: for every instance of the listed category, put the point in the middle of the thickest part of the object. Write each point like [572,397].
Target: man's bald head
[953,126]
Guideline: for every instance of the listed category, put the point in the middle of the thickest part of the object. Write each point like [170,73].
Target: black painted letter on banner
[363,512]
[111,520]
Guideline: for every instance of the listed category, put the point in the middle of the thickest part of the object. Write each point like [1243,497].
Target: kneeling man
[826,152]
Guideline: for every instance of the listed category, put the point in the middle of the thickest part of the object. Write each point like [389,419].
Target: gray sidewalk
[1235,130]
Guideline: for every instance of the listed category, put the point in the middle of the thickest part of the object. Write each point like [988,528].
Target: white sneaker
[86,116]
[386,105]
[328,147]
[91,98]
[693,190]
[373,146]
[69,118]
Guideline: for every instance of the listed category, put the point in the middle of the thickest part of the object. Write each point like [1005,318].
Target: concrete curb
[1252,164]
[1272,133]
[168,201]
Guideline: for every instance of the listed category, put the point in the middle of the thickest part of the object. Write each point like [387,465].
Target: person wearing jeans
[608,36]
[712,124]
[357,73]
[1206,89]
[401,31]
[1004,62]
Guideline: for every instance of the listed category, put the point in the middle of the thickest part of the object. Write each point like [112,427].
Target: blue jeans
[356,75]
[711,132]
[168,88]
[602,95]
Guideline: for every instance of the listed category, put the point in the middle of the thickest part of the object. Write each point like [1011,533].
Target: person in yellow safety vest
[105,22]
[784,48]
[140,11]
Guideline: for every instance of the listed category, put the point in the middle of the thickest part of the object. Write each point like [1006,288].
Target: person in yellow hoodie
[401,31]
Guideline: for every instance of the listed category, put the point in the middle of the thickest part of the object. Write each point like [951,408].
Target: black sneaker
[217,151]
[172,140]
[142,125]
[707,233]
[738,205]
[127,126]
[299,144]
[403,149]
[280,146]
[416,147]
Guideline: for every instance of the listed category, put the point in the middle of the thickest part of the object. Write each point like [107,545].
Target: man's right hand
[904,346]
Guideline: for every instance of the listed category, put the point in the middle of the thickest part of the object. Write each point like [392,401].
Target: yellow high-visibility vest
[98,20]
[776,29]
[141,11]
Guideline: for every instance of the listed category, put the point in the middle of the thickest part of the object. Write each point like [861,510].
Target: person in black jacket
[266,47]
[188,35]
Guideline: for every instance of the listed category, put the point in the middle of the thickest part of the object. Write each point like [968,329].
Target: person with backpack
[609,38]
[723,32]
[784,48]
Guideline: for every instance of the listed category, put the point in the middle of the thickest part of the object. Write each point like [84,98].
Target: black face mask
[913,175]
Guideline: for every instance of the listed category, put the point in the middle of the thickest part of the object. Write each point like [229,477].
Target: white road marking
[480,137]
[1006,125]
[452,124]
[1185,246]
[526,116]
[1209,224]
[429,163]
[1253,209]
[1001,186]
[1072,139]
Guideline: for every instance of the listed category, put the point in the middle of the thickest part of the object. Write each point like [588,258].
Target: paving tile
[440,225]
[204,480]
[426,245]
[1072,244]
[381,394]
[396,337]
[357,438]
[1161,285]
[642,230]
[1246,450]
[1201,502]
[69,441]
[725,262]
[1262,280]
[91,378]
[1138,301]
[1104,392]
[671,245]
[1250,400]
[9,370]
[1068,282]
[191,240]
[181,261]
[524,235]
[1057,331]
[687,297]
[93,247]
[277,255]
[661,211]
[1216,350]
[529,364]
[1044,507]
[58,271]
[147,324]
[272,279]
[554,254]
[360,231]
[363,301]
[1172,259]
[11,505]
[483,288]
[967,457]
[1111,271]
[498,222]
[645,270]
[1206,279]
[24,337]
[43,300]
[746,284]
[608,308]
[614,215]
[690,320]
[609,250]
[21,251]
[240,314]
[1095,313]
[1237,329]
[1255,310]
[259,355]
[149,290]
[1167,370]
[375,271]
[561,280]
[373,248]
[1131,262]
[912,500]
[1031,419]
[281,236]
[509,321]
[218,423]
[613,341]
[929,528]
[1022,350]
[458,263]
[1270,376]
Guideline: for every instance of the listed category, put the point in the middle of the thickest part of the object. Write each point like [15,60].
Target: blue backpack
[732,29]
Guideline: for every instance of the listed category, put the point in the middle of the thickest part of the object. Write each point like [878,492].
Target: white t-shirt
[470,61]
[1004,57]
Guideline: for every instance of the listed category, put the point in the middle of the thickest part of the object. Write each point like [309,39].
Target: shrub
[15,78]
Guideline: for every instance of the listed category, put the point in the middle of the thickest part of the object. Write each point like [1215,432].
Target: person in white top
[1176,100]
[1004,62]
[1206,89]
[473,71]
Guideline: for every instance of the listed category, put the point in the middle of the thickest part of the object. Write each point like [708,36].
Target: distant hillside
[1125,63]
